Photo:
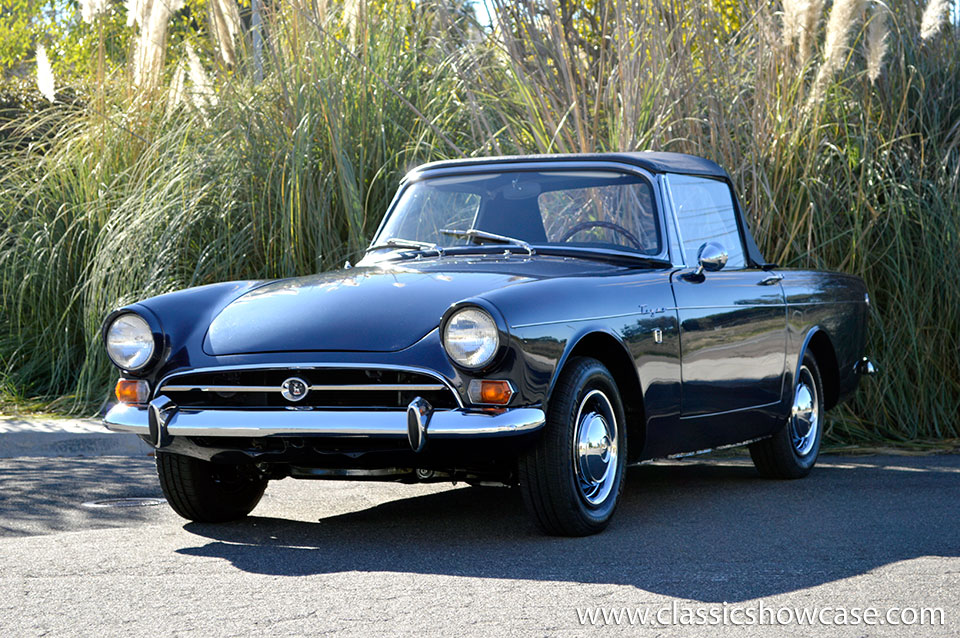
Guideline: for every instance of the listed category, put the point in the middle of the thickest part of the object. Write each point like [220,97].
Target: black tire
[781,456]
[550,472]
[207,492]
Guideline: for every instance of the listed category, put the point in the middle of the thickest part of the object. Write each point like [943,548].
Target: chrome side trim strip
[682,455]
[822,303]
[673,308]
[725,446]
[749,407]
[383,423]
[640,313]
[315,366]
[384,387]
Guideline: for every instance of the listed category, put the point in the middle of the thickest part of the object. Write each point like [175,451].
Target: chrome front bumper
[161,420]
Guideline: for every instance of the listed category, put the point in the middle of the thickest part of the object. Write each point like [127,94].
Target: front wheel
[793,450]
[572,478]
[207,492]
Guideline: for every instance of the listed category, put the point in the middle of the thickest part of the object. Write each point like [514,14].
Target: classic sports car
[540,322]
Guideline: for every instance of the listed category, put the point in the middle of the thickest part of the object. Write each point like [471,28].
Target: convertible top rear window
[603,209]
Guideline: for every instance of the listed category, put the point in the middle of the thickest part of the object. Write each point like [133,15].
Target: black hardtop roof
[653,161]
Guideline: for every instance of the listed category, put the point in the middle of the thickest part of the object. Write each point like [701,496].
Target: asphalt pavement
[54,436]
[362,559]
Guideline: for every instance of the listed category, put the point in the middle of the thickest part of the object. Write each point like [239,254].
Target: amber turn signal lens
[490,392]
[131,391]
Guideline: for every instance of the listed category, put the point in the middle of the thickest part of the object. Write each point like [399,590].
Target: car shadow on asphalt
[707,531]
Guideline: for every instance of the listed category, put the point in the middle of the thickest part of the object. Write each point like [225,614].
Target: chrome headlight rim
[155,339]
[497,322]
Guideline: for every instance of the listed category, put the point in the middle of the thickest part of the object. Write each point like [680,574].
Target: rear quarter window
[705,213]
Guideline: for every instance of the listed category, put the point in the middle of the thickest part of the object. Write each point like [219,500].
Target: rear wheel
[792,452]
[572,478]
[207,492]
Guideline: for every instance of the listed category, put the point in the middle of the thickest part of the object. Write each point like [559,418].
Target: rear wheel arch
[819,344]
[612,353]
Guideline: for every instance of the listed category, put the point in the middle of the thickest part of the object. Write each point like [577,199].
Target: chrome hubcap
[595,448]
[805,416]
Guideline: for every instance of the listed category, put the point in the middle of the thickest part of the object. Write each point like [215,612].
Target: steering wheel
[602,224]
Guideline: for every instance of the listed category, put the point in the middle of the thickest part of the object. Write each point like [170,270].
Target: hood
[361,310]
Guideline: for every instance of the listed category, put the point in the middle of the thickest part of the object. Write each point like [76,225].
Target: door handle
[769,280]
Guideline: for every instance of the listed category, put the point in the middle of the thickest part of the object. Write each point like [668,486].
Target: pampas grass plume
[878,36]
[175,93]
[813,12]
[842,18]
[792,16]
[201,87]
[136,12]
[933,17]
[151,46]
[225,25]
[45,74]
[90,9]
[843,15]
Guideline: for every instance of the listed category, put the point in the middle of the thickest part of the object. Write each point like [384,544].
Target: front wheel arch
[580,456]
[612,353]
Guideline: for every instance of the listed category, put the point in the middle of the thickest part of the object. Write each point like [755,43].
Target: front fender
[181,318]
[576,338]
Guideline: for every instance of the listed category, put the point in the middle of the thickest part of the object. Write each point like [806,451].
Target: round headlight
[471,337]
[130,342]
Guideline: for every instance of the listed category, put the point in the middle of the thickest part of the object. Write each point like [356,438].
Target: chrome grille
[328,387]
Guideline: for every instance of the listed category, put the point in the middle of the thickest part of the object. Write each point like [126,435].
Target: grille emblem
[294,389]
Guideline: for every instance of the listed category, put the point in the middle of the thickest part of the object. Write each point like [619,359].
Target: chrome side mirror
[711,257]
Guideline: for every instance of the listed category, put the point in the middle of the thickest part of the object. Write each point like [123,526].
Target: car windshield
[586,209]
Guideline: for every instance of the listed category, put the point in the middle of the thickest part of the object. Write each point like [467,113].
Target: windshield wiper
[396,242]
[473,234]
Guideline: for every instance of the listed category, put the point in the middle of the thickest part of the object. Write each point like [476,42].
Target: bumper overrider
[161,420]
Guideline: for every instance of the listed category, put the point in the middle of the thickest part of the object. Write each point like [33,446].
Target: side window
[705,213]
